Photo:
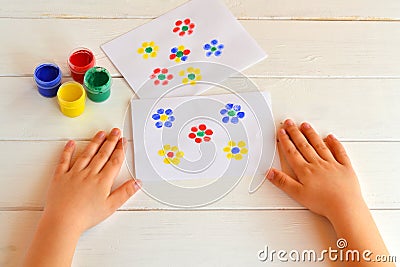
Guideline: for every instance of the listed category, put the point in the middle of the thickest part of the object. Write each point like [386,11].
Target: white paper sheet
[212,35]
[167,123]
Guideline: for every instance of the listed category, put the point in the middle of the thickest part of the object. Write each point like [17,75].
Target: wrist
[349,216]
[58,222]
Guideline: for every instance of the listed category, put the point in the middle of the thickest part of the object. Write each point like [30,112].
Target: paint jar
[80,60]
[97,82]
[71,98]
[48,79]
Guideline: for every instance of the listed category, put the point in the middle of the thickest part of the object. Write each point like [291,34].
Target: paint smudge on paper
[200,133]
[161,76]
[232,113]
[190,75]
[184,27]
[171,154]
[148,49]
[163,118]
[235,150]
[213,48]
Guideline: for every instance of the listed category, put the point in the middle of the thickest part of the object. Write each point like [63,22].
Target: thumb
[284,182]
[120,195]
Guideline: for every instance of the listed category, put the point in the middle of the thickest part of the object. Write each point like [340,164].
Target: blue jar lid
[47,75]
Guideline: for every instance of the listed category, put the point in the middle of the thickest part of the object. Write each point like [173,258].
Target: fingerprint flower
[231,113]
[184,27]
[148,49]
[163,118]
[161,76]
[235,151]
[190,76]
[171,154]
[200,133]
[213,48]
[179,53]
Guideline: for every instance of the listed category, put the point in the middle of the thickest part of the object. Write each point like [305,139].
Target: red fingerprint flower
[184,27]
[200,133]
[161,76]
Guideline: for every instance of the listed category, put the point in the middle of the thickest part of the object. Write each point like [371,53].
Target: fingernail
[115,131]
[306,125]
[101,135]
[332,137]
[137,184]
[282,131]
[270,174]
[123,140]
[70,143]
[289,122]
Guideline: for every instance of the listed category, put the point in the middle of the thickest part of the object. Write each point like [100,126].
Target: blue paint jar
[48,79]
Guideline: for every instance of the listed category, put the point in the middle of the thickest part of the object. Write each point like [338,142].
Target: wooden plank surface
[190,238]
[255,9]
[323,102]
[333,63]
[27,171]
[342,49]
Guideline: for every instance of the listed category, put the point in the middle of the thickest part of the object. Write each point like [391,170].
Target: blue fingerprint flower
[163,118]
[213,48]
[232,113]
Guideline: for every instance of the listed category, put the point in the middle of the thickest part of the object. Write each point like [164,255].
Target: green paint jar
[97,83]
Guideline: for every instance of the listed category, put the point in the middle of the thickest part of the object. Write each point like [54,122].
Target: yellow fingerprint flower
[148,49]
[235,151]
[190,75]
[171,154]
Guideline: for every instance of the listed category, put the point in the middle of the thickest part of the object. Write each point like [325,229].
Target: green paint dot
[161,77]
[149,50]
[185,28]
[200,134]
[191,76]
[231,113]
[213,49]
[179,54]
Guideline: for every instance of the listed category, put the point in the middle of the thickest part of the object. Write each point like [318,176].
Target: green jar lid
[97,82]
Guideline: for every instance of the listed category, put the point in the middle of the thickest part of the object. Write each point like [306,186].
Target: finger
[338,150]
[285,166]
[86,156]
[65,161]
[104,153]
[113,165]
[300,141]
[122,194]
[316,141]
[286,183]
[290,152]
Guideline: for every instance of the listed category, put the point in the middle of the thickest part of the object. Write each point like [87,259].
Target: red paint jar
[80,60]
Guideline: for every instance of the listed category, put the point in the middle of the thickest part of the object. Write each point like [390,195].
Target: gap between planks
[332,77]
[277,18]
[343,140]
[172,209]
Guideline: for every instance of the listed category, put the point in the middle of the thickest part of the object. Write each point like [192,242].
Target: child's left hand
[80,194]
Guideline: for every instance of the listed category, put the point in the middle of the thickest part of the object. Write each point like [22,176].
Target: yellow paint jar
[71,98]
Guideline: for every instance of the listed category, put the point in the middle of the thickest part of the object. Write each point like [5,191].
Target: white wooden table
[333,63]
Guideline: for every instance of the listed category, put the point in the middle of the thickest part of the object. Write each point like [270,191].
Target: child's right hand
[324,181]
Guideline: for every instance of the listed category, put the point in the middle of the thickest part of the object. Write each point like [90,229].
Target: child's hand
[324,179]
[80,193]
[79,197]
